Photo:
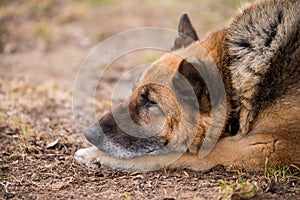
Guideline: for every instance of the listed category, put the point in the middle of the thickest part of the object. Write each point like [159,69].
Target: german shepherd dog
[257,57]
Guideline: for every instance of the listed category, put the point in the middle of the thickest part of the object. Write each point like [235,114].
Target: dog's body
[258,58]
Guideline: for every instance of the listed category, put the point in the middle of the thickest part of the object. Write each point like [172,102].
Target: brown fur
[258,57]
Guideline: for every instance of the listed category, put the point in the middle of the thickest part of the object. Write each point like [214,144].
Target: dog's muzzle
[111,140]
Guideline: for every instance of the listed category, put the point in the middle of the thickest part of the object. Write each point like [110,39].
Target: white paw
[88,156]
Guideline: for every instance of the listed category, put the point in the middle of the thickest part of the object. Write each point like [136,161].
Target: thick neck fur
[215,46]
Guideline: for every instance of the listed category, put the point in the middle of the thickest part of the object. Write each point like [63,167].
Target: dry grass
[38,139]
[42,41]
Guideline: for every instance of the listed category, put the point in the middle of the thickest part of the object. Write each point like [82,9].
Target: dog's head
[169,108]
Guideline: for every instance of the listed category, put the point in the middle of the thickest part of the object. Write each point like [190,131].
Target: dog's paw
[88,156]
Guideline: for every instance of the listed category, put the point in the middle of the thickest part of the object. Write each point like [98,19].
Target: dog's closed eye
[149,103]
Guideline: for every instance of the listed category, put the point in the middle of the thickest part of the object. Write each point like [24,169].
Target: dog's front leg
[250,152]
[92,156]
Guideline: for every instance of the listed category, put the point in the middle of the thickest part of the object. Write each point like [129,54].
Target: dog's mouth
[111,140]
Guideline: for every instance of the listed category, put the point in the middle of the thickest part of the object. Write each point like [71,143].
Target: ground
[42,45]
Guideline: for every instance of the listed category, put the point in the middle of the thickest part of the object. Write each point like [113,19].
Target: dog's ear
[192,70]
[186,31]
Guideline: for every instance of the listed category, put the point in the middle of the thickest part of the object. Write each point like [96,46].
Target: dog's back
[264,48]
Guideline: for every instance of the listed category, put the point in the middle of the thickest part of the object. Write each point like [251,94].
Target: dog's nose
[92,134]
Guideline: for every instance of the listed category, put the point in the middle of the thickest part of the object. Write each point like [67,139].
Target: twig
[5,186]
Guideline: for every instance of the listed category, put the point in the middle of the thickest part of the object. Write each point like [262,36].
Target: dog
[168,120]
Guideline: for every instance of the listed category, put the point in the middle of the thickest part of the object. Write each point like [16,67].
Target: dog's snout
[92,134]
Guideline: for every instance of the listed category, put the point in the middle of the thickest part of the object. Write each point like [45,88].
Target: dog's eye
[150,103]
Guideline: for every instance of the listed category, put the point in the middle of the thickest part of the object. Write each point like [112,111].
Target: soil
[43,44]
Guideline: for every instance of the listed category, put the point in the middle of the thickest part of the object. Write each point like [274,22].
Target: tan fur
[269,128]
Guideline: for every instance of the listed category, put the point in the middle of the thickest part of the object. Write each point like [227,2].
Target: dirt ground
[42,45]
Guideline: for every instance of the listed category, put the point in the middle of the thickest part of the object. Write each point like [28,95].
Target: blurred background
[48,40]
